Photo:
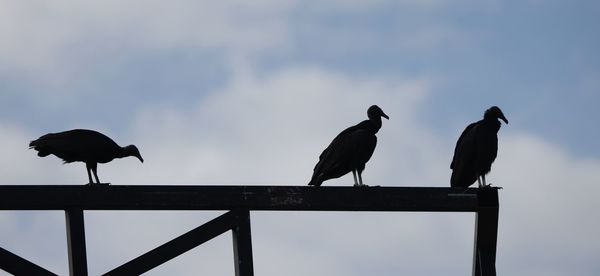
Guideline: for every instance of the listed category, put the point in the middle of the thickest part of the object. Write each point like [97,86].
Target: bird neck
[123,152]
[375,124]
[491,123]
[489,117]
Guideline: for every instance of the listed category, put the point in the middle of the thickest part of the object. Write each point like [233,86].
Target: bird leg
[93,167]
[360,182]
[95,171]
[482,183]
[88,168]
[354,175]
[485,185]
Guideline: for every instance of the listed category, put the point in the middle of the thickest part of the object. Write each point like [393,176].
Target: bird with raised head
[82,145]
[350,150]
[476,150]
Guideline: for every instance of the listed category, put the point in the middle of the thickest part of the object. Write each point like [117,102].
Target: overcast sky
[251,92]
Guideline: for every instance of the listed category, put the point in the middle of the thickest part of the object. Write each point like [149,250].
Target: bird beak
[141,159]
[385,116]
[503,118]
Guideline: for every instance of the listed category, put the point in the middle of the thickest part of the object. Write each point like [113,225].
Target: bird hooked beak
[495,112]
[501,117]
[132,150]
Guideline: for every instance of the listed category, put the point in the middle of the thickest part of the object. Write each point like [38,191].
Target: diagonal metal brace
[16,265]
[177,246]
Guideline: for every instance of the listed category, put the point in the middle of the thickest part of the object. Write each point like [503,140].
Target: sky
[239,92]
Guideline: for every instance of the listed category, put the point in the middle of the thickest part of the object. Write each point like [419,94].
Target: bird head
[494,112]
[132,150]
[374,112]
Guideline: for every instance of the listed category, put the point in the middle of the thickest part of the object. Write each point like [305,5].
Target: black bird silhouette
[350,150]
[476,150]
[88,146]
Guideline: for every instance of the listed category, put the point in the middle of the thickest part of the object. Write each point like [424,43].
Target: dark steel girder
[74,200]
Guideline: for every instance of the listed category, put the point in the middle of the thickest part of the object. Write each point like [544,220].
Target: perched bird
[476,150]
[350,150]
[88,146]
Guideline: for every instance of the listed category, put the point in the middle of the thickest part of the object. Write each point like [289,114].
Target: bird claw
[97,184]
[489,186]
[361,185]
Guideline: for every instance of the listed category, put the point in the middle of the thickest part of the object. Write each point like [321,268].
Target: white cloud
[547,208]
[38,236]
[51,42]
[254,124]
[270,130]
[21,166]
[117,237]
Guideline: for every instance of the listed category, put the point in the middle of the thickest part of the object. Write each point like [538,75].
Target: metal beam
[486,234]
[76,242]
[242,244]
[241,199]
[292,198]
[16,265]
[177,246]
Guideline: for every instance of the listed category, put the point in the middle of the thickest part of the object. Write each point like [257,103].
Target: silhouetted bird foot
[97,184]
[488,186]
[361,185]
